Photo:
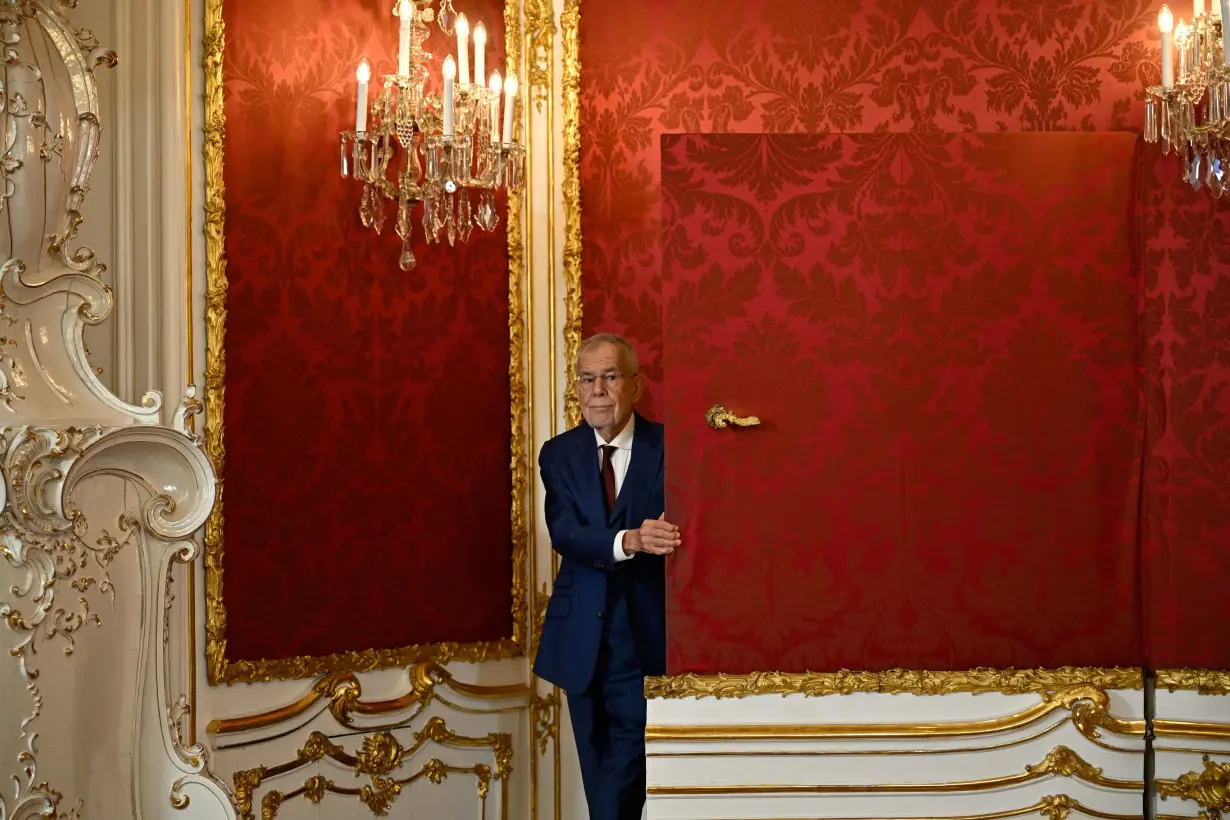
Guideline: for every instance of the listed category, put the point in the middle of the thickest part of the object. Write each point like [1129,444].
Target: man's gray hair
[599,339]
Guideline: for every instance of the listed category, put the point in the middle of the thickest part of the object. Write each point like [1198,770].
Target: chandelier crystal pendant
[441,148]
[1190,111]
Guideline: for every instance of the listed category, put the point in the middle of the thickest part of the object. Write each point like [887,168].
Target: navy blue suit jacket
[584,536]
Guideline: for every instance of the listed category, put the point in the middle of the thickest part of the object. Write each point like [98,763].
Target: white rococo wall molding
[98,499]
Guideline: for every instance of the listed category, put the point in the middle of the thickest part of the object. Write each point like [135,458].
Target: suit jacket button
[600,616]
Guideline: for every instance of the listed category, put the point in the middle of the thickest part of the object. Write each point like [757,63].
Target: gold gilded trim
[570,22]
[343,693]
[1053,807]
[1204,681]
[218,667]
[379,758]
[898,681]
[1163,727]
[1059,762]
[190,342]
[1210,788]
[1088,704]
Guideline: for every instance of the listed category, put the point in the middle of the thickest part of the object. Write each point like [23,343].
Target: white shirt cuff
[620,555]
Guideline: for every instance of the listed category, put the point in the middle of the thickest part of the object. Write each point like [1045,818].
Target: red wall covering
[1186,323]
[651,68]
[939,332]
[367,409]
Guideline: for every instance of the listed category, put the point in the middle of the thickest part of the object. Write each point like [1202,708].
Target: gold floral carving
[546,720]
[539,34]
[342,694]
[570,22]
[898,681]
[379,758]
[219,668]
[1204,681]
[1210,788]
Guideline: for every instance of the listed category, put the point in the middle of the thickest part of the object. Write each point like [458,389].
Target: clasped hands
[655,536]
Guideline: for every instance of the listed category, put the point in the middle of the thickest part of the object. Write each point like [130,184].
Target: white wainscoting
[793,771]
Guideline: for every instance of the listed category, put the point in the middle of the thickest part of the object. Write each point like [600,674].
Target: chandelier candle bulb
[1197,8]
[496,86]
[450,71]
[463,50]
[1165,22]
[480,53]
[405,13]
[1182,44]
[1225,30]
[363,75]
[510,99]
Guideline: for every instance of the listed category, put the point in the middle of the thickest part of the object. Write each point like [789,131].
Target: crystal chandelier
[1192,115]
[441,149]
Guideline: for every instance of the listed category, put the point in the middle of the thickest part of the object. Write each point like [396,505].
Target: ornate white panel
[98,500]
[872,754]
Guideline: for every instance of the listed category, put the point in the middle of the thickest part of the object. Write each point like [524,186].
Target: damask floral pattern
[940,335]
[1186,322]
[367,409]
[754,66]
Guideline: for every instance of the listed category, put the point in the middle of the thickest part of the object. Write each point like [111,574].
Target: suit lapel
[642,472]
[589,484]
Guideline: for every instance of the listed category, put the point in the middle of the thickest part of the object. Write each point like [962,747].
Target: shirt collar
[623,441]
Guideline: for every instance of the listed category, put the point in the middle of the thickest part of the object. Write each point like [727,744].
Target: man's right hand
[655,536]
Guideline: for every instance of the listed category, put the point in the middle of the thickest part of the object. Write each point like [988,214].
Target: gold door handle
[719,418]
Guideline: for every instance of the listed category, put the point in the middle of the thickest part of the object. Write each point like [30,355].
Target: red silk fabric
[367,409]
[1186,323]
[940,333]
[771,66]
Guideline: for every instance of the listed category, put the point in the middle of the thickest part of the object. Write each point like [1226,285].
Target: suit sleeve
[586,545]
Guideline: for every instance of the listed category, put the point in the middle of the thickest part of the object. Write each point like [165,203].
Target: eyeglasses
[609,380]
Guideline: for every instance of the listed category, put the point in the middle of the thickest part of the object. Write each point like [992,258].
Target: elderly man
[605,627]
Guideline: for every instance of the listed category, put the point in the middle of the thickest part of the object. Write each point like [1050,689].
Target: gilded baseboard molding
[342,693]
[1059,762]
[1089,706]
[897,681]
[379,758]
[1053,807]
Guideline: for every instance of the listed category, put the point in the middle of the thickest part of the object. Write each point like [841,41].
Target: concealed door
[902,401]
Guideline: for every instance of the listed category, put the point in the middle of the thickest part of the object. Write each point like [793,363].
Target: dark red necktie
[608,476]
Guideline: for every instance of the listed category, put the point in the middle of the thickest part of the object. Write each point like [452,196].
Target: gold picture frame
[219,668]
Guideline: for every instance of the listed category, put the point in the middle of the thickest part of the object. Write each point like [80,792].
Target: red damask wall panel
[754,66]
[940,334]
[367,409]
[1186,314]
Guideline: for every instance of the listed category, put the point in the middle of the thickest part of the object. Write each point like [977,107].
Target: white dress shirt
[619,463]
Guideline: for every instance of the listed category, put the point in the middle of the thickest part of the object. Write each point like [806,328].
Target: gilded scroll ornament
[899,681]
[379,758]
[1209,788]
[220,669]
[342,694]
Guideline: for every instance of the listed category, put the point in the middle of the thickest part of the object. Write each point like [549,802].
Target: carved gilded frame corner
[219,668]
